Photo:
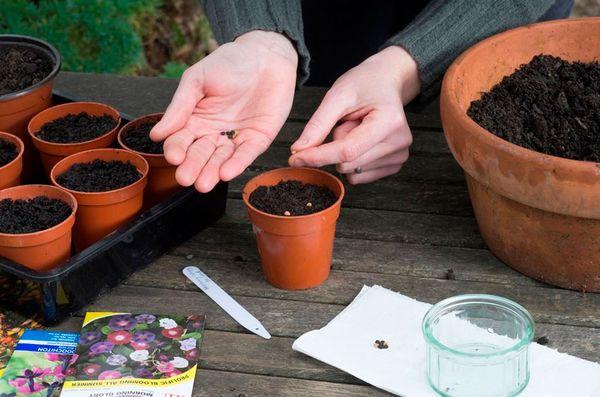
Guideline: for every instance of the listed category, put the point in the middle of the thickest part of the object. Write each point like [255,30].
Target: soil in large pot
[292,198]
[549,105]
[8,152]
[138,138]
[99,176]
[21,68]
[32,215]
[75,128]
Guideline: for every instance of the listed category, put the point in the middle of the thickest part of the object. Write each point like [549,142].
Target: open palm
[246,86]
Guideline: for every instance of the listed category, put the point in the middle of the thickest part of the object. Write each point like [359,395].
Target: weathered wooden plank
[381,225]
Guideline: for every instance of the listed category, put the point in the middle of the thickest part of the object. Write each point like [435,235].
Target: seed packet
[12,326]
[123,354]
[39,364]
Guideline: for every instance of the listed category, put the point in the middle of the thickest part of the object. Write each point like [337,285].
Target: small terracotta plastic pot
[46,249]
[295,251]
[101,213]
[17,108]
[539,214]
[161,177]
[51,153]
[10,174]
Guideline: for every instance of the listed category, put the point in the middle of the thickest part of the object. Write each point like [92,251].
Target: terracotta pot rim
[70,218]
[332,207]
[42,45]
[140,181]
[470,127]
[129,124]
[14,139]
[74,145]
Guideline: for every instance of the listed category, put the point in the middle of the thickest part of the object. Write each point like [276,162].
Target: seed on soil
[309,204]
[548,105]
[75,128]
[21,68]
[138,138]
[8,152]
[32,215]
[380,344]
[189,257]
[543,340]
[230,134]
[99,176]
[291,197]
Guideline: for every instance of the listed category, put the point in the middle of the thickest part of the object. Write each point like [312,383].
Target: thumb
[189,92]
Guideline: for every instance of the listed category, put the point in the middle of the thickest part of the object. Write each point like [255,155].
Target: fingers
[396,158]
[373,175]
[197,156]
[210,174]
[186,97]
[176,146]
[250,145]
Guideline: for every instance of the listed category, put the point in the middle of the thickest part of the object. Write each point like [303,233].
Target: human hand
[365,105]
[246,86]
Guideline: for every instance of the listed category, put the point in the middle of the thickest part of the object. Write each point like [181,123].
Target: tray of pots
[86,198]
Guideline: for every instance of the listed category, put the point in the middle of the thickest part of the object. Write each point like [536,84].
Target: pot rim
[42,45]
[15,139]
[472,128]
[73,204]
[128,125]
[337,203]
[142,180]
[74,144]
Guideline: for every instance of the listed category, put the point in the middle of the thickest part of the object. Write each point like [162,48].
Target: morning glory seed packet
[122,354]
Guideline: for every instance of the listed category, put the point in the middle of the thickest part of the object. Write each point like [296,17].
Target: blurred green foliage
[174,69]
[91,35]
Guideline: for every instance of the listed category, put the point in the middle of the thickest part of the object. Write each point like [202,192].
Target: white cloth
[378,313]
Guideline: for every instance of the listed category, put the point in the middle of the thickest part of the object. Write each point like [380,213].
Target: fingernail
[294,152]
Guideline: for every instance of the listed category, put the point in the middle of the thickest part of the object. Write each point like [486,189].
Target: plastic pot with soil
[63,130]
[109,187]
[134,136]
[533,172]
[293,212]
[35,225]
[11,160]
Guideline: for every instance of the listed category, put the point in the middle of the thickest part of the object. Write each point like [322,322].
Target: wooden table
[403,233]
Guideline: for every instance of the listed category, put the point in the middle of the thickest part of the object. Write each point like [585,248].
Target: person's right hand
[246,86]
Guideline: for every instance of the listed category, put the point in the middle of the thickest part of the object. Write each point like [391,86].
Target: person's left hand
[365,105]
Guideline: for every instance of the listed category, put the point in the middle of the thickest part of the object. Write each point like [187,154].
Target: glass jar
[478,346]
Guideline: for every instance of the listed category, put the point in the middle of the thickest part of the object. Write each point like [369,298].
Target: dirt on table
[138,138]
[99,176]
[32,215]
[21,68]
[8,152]
[292,198]
[548,105]
[76,128]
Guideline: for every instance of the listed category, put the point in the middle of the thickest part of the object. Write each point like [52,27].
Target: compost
[292,198]
[549,105]
[138,138]
[32,215]
[75,128]
[8,152]
[21,68]
[99,176]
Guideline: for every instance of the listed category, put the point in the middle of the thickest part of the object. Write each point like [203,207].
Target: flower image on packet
[39,364]
[136,355]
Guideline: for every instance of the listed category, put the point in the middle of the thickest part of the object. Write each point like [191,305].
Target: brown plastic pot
[540,214]
[101,213]
[161,177]
[51,153]
[46,249]
[10,174]
[17,108]
[295,251]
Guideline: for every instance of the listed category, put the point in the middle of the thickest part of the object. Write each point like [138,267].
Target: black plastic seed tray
[51,296]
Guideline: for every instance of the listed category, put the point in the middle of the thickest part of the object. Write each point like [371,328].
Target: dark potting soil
[138,139]
[548,105]
[21,68]
[32,215]
[75,128]
[292,198]
[8,152]
[99,176]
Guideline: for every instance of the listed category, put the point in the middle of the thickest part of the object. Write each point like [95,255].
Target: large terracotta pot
[46,249]
[50,152]
[10,174]
[101,213]
[295,251]
[18,108]
[540,214]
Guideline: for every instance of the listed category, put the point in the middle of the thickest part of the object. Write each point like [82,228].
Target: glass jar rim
[459,300]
